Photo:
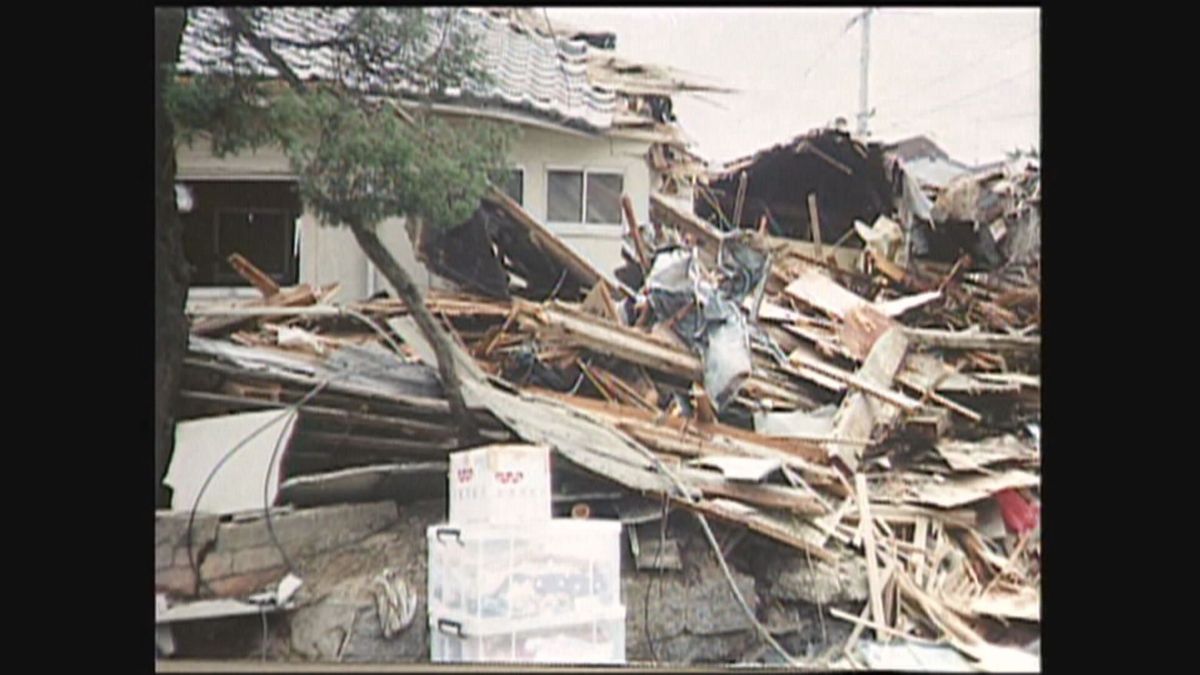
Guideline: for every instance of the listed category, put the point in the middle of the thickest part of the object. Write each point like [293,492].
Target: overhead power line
[962,69]
[955,102]
[825,52]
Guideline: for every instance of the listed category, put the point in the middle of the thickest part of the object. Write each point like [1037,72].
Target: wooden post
[867,527]
[741,199]
[639,246]
[814,222]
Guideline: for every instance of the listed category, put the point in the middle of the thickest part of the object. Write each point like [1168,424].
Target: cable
[263,612]
[213,472]
[955,71]
[662,538]
[293,408]
[712,542]
[825,52]
[955,102]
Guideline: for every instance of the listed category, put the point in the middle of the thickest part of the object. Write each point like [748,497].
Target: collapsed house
[815,187]
[592,127]
[815,459]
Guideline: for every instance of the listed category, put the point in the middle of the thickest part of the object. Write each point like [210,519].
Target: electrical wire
[662,539]
[825,51]
[961,69]
[225,458]
[289,410]
[955,102]
[712,542]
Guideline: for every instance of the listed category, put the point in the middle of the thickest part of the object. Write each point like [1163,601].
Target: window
[512,183]
[604,197]
[565,201]
[254,218]
[591,197]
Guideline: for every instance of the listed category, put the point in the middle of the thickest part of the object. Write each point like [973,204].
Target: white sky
[967,78]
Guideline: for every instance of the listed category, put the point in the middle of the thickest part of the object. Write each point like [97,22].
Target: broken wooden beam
[549,242]
[857,416]
[944,339]
[635,232]
[708,237]
[299,296]
[867,527]
[257,278]
[814,223]
[640,348]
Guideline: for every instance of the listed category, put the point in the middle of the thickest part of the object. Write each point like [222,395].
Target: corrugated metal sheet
[529,72]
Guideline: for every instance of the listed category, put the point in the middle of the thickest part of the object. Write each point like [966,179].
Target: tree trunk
[400,279]
[170,266]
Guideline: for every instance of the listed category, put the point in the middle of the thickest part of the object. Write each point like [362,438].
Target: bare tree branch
[241,27]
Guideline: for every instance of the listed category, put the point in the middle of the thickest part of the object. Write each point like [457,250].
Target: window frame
[519,168]
[581,226]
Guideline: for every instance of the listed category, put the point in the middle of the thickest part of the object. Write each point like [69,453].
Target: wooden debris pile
[889,414]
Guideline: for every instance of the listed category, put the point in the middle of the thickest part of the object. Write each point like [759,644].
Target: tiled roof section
[529,72]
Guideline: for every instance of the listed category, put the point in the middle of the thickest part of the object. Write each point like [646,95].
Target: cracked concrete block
[314,529]
[170,529]
[693,615]
[792,577]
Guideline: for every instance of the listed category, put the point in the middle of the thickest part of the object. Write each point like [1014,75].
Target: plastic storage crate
[560,570]
[500,484]
[598,640]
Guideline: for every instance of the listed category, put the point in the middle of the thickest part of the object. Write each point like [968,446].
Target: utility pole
[863,67]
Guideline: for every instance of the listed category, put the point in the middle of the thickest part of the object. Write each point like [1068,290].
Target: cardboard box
[500,484]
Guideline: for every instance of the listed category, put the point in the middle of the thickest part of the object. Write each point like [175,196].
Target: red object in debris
[1019,515]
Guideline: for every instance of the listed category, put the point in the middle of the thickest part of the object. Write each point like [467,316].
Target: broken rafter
[943,339]
[549,242]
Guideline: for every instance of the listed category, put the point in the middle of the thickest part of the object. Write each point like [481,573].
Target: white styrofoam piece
[238,485]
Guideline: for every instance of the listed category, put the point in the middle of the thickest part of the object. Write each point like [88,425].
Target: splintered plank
[920,541]
[549,242]
[971,456]
[775,528]
[863,326]
[610,339]
[705,234]
[291,297]
[953,492]
[600,303]
[767,496]
[944,339]
[855,380]
[866,525]
[858,415]
[819,291]
[635,233]
[814,219]
[257,278]
[680,436]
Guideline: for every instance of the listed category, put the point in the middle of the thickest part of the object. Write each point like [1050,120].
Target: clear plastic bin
[553,570]
[597,640]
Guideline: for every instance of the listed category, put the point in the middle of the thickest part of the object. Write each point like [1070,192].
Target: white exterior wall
[539,151]
[329,254]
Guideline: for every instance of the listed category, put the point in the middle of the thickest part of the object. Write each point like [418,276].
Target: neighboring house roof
[934,172]
[531,73]
[917,147]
